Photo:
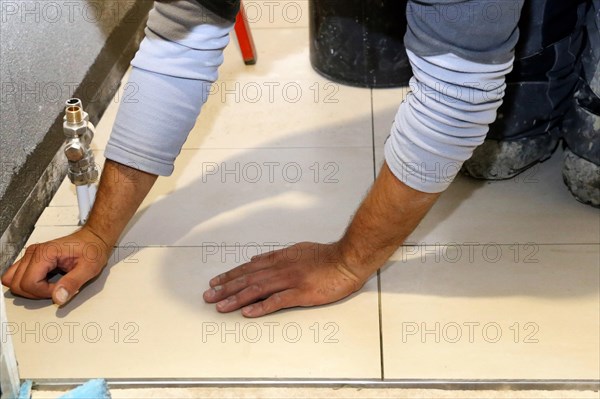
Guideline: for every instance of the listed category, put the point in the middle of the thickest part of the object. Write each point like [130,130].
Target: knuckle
[242,280]
[15,287]
[225,277]
[31,249]
[256,288]
[276,298]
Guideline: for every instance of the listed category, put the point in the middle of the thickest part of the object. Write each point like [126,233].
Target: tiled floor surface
[501,280]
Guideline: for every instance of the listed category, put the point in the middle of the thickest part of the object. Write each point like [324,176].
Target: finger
[275,302]
[8,275]
[220,292]
[31,255]
[251,294]
[35,279]
[246,268]
[70,284]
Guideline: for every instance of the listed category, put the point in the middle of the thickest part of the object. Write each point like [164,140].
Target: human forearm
[389,213]
[122,189]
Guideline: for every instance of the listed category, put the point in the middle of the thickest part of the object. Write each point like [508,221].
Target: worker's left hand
[305,274]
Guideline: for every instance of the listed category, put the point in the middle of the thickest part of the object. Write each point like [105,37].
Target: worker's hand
[305,274]
[81,255]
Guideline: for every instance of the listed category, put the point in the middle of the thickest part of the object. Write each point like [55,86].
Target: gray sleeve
[483,31]
[172,73]
[457,86]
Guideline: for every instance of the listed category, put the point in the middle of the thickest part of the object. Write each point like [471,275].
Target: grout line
[336,147]
[405,245]
[380,317]
[379,302]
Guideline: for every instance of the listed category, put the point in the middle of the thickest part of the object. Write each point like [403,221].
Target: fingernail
[248,309]
[226,302]
[210,293]
[61,295]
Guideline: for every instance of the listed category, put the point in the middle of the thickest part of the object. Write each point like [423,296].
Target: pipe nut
[93,175]
[74,151]
[74,130]
[77,178]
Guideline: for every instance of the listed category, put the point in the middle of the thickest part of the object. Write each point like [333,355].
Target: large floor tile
[242,196]
[495,312]
[144,317]
[535,207]
[292,113]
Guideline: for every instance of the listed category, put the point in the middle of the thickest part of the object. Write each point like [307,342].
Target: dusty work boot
[581,126]
[539,90]
[582,177]
[503,159]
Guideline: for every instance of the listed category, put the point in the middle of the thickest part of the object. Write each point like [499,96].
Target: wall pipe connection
[82,170]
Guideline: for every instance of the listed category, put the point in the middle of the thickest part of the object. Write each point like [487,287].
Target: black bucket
[359,42]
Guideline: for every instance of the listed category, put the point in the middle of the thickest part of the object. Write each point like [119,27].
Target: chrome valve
[79,133]
[82,170]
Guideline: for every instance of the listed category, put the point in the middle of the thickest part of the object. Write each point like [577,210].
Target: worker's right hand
[81,256]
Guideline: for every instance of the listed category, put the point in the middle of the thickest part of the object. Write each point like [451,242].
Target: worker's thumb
[70,284]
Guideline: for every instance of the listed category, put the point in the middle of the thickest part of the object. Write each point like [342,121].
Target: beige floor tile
[276,196]
[492,313]
[535,207]
[296,113]
[144,317]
